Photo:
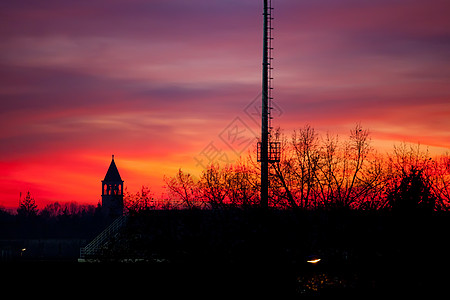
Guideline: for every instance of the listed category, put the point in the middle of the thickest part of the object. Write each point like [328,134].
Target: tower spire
[112,191]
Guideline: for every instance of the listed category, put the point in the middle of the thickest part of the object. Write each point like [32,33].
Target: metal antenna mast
[268,151]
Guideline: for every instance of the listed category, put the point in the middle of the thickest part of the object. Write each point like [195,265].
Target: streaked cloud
[154,82]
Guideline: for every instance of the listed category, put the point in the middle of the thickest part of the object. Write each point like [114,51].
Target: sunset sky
[167,84]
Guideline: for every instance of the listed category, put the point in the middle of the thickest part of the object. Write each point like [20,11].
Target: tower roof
[113,174]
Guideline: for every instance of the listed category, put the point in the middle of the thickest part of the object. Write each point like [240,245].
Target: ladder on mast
[268,150]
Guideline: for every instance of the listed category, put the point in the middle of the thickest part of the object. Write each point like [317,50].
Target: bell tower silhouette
[112,192]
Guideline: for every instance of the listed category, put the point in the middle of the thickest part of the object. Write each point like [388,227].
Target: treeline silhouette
[315,173]
[55,220]
[326,173]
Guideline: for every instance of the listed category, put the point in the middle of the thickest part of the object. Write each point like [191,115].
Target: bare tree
[370,193]
[408,183]
[283,180]
[231,186]
[329,165]
[243,188]
[52,210]
[357,180]
[402,161]
[306,149]
[184,187]
[319,172]
[441,181]
[331,173]
[214,186]
[327,173]
[141,200]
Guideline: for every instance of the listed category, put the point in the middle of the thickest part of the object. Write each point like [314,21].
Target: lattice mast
[268,151]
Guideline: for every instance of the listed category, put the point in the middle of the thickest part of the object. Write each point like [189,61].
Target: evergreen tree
[27,207]
[413,194]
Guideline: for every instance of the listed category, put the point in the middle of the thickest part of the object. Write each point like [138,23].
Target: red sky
[166,84]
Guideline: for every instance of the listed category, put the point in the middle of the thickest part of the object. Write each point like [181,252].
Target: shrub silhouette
[413,194]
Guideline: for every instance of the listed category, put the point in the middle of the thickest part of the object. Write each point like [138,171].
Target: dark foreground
[214,280]
[252,254]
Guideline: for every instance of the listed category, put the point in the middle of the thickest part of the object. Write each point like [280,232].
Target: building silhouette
[112,192]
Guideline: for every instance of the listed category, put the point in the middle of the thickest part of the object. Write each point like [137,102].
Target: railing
[101,240]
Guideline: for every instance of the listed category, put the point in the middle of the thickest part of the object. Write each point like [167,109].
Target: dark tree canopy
[27,207]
